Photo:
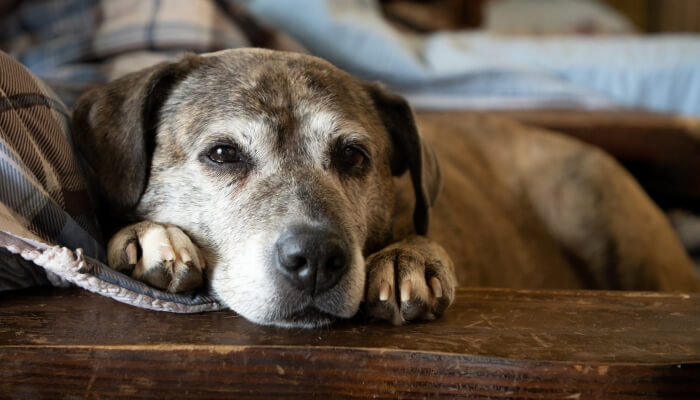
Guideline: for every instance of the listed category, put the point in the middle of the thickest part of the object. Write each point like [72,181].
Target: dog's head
[278,165]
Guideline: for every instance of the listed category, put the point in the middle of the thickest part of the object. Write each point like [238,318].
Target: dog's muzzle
[312,259]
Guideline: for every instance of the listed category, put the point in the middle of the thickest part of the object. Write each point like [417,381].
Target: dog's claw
[185,256]
[166,252]
[384,291]
[168,258]
[131,254]
[436,287]
[406,291]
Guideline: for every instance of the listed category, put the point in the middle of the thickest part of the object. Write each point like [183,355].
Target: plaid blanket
[42,192]
[48,230]
[74,44]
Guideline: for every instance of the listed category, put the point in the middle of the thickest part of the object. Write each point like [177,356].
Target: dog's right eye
[224,154]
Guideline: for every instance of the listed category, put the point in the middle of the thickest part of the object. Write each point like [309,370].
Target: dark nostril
[312,259]
[291,260]
[333,263]
[296,265]
[336,259]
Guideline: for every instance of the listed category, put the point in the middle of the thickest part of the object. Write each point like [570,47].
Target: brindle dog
[278,177]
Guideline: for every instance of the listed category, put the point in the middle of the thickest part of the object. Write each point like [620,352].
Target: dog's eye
[224,154]
[352,156]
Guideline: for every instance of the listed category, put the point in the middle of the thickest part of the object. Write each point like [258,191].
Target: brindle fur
[519,208]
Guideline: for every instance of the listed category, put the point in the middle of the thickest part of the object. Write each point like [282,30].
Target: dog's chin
[309,317]
[305,316]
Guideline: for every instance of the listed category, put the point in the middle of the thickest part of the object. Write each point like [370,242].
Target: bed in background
[493,68]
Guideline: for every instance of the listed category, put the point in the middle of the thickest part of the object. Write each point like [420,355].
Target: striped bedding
[74,44]
[48,229]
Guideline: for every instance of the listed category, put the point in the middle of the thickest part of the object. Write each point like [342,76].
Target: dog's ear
[114,129]
[409,151]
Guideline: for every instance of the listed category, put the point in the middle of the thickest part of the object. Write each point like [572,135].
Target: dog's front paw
[160,255]
[409,280]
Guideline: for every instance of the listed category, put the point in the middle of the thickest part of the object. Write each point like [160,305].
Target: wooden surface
[67,343]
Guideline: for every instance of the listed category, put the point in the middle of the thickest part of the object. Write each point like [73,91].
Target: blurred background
[521,16]
[441,54]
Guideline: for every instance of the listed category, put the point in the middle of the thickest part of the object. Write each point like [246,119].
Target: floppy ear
[114,129]
[409,151]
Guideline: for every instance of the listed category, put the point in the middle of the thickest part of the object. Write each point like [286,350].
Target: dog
[300,194]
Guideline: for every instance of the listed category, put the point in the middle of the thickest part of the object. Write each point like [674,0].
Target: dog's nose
[312,259]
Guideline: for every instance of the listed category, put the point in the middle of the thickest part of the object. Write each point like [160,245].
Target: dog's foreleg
[160,255]
[409,280]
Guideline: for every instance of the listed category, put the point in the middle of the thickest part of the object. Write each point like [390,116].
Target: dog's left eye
[352,156]
[224,154]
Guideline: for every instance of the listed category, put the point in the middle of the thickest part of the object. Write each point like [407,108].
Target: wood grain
[492,344]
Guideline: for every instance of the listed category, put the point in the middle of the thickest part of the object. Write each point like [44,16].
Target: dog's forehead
[262,82]
[280,98]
